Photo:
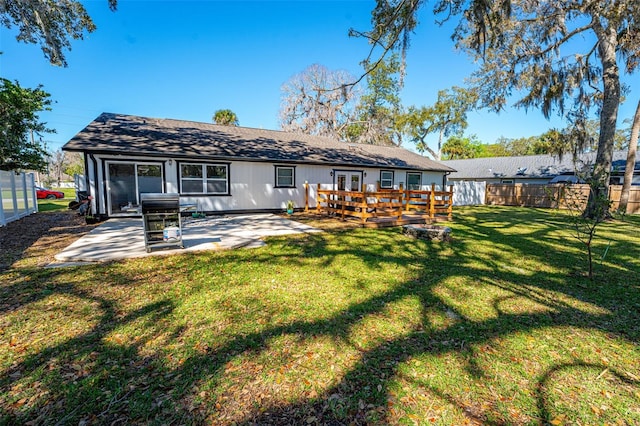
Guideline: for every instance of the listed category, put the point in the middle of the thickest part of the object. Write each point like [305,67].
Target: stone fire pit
[428,232]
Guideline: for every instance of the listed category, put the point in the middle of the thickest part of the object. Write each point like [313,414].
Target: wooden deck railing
[384,202]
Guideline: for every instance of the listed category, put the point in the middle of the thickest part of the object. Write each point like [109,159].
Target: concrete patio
[123,238]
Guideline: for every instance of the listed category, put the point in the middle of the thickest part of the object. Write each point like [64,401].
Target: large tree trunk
[607,42]
[631,161]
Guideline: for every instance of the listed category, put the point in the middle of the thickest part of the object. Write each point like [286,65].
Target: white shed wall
[466,193]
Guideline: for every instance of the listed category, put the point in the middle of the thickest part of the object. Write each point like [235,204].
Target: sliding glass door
[125,182]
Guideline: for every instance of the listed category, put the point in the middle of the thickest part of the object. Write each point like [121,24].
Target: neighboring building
[232,169]
[538,169]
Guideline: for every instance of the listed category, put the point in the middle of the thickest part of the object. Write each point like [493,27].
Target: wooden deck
[385,208]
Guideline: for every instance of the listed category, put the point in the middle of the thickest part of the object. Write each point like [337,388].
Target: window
[414,181]
[355,182]
[204,178]
[386,179]
[285,177]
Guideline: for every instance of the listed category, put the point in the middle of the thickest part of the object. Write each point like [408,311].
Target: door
[125,182]
[349,181]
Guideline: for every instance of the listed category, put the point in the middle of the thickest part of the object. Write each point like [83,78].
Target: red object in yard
[48,193]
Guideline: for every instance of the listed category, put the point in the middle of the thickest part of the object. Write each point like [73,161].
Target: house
[540,169]
[232,169]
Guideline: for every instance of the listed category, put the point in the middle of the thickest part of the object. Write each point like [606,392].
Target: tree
[559,142]
[460,147]
[51,24]
[74,164]
[225,117]
[64,163]
[631,161]
[493,150]
[19,126]
[518,146]
[447,116]
[584,227]
[621,138]
[413,124]
[553,141]
[56,166]
[525,48]
[377,114]
[318,102]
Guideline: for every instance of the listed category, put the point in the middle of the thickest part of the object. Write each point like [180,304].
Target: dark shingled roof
[530,166]
[132,135]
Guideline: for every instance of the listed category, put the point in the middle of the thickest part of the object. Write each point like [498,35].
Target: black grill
[159,203]
[161,219]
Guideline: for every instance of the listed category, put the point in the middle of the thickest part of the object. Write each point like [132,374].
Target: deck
[386,207]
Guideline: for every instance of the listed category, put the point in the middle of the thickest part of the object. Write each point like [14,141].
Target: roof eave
[250,159]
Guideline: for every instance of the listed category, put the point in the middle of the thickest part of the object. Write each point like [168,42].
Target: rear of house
[232,169]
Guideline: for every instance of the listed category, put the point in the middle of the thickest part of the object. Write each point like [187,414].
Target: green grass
[45,205]
[359,326]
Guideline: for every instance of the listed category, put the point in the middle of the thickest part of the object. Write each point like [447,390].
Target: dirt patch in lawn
[323,221]
[34,240]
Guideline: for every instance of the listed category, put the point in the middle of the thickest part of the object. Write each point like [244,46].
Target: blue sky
[187,59]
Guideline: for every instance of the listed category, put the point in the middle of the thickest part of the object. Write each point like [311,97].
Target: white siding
[467,193]
[252,184]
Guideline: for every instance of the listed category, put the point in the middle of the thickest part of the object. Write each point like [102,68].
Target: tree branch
[376,41]
[557,43]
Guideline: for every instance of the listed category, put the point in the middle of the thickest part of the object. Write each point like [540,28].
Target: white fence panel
[468,193]
[18,196]
[79,183]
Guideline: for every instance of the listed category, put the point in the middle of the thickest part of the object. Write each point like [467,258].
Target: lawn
[45,205]
[349,326]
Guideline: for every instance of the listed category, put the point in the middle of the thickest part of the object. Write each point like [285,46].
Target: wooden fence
[390,203]
[554,195]
[633,206]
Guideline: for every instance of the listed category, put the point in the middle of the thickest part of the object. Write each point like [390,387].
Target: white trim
[205,179]
[135,163]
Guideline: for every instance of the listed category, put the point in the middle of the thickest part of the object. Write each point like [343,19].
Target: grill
[153,202]
[161,220]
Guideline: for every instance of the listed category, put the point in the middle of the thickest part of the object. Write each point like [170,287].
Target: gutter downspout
[95,180]
[444,180]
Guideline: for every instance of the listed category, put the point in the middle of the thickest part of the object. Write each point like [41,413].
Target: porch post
[432,201]
[364,204]
[402,199]
[306,196]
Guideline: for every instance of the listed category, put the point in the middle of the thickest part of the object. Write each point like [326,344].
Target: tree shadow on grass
[81,370]
[544,388]
[366,385]
[123,384]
